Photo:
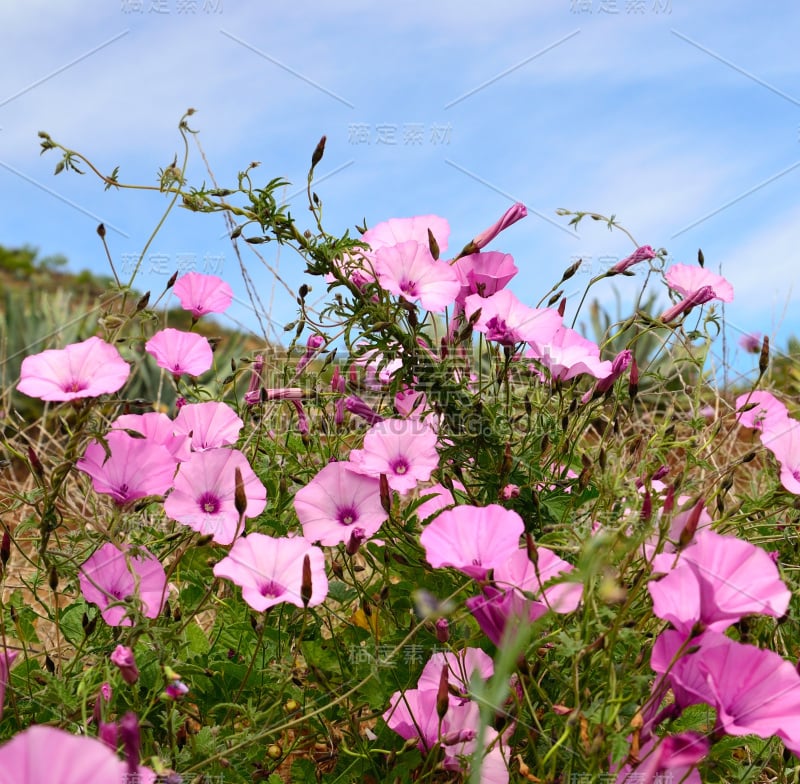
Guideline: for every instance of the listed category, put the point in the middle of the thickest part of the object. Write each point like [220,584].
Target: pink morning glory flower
[566,354]
[673,757]
[504,319]
[751,342]
[157,428]
[336,502]
[687,279]
[136,468]
[397,230]
[716,581]
[203,294]
[484,274]
[754,690]
[6,660]
[783,440]
[204,493]
[111,576]
[210,424]
[86,369]
[181,352]
[47,754]
[463,666]
[764,411]
[472,539]
[409,270]
[402,449]
[270,571]
[411,404]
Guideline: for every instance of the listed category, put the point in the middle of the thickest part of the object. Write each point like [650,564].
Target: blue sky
[682,119]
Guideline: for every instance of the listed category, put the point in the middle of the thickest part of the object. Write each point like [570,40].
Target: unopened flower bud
[442,630]
[571,270]
[443,693]
[5,548]
[386,495]
[239,494]
[562,306]
[172,279]
[689,530]
[763,359]
[36,464]
[319,151]
[306,587]
[131,740]
[123,658]
[633,384]
[357,537]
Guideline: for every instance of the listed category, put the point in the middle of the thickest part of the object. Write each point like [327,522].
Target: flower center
[271,588]
[497,329]
[400,466]
[209,503]
[74,385]
[347,515]
[409,287]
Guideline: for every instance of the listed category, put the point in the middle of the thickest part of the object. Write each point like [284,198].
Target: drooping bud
[306,586]
[633,383]
[386,494]
[699,297]
[357,537]
[433,245]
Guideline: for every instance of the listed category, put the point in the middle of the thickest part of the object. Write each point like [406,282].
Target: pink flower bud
[123,658]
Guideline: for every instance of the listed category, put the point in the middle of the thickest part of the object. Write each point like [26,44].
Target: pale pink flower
[136,468]
[764,411]
[402,449]
[751,342]
[210,425]
[409,270]
[336,502]
[203,294]
[672,758]
[270,570]
[111,576]
[462,666]
[411,404]
[504,319]
[397,230]
[47,754]
[157,428]
[566,354]
[472,539]
[716,581]
[86,369]
[204,493]
[782,438]
[687,279]
[181,352]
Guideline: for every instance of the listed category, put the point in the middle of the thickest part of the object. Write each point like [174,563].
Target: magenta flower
[270,571]
[204,493]
[210,424]
[136,468]
[699,297]
[506,606]
[510,217]
[755,691]
[644,253]
[619,365]
[157,428]
[504,319]
[472,539]
[716,581]
[408,270]
[181,352]
[666,759]
[47,754]
[751,342]
[86,369]
[203,294]
[687,279]
[6,660]
[566,354]
[336,502]
[402,449]
[112,576]
[123,658]
[397,230]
